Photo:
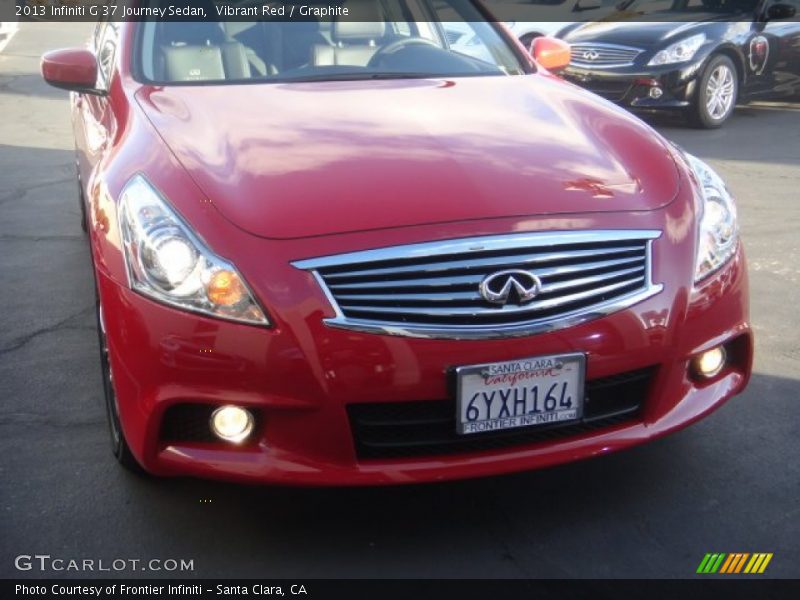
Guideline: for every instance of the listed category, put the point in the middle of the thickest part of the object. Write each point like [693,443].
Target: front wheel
[119,446]
[717,92]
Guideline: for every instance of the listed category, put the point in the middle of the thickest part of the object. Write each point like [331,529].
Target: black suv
[699,56]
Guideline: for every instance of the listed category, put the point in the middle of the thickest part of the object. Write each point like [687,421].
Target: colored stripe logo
[733,563]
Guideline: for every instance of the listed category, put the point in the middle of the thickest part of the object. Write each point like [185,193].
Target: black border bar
[404,589]
[304,10]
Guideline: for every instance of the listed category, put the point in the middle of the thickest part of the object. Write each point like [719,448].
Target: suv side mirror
[73,69]
[781,10]
[550,53]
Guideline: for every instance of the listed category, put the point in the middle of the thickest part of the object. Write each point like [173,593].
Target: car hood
[639,34]
[307,159]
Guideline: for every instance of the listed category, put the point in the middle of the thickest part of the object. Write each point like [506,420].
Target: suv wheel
[717,92]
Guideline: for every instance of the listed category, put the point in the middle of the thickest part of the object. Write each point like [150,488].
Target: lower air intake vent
[389,430]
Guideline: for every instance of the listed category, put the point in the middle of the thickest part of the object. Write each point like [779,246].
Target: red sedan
[344,253]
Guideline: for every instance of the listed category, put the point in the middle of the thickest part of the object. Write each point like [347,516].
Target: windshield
[721,7]
[390,39]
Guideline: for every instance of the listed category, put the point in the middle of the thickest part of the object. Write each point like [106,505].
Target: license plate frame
[507,375]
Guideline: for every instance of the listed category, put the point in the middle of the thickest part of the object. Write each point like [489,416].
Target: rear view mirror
[73,69]
[550,53]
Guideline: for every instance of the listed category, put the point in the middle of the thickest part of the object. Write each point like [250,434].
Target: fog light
[656,93]
[710,363]
[231,423]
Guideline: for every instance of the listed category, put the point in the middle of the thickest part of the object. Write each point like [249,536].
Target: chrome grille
[433,289]
[600,56]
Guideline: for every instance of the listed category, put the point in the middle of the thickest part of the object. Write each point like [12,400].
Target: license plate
[520,393]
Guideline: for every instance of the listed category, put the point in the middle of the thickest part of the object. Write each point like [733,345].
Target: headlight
[679,51]
[718,226]
[166,260]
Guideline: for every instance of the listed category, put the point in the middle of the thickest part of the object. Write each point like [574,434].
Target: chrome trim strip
[400,296]
[504,310]
[442,281]
[565,285]
[607,45]
[489,332]
[328,295]
[497,261]
[430,282]
[586,65]
[449,296]
[478,244]
[649,264]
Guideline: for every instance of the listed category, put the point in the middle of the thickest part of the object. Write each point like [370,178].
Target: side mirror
[73,69]
[587,5]
[780,10]
[550,53]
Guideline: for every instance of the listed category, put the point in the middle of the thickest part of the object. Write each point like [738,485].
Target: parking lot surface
[730,483]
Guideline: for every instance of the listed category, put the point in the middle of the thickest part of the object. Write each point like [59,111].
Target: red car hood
[304,159]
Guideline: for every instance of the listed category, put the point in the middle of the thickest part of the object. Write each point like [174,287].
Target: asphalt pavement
[730,483]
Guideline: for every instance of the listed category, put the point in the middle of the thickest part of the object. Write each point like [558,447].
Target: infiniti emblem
[591,55]
[499,287]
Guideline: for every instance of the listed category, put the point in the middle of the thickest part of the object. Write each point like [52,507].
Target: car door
[784,37]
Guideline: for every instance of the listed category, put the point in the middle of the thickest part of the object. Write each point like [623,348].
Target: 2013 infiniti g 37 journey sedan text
[345,254]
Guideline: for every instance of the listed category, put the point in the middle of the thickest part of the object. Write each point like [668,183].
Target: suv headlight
[679,51]
[167,261]
[718,226]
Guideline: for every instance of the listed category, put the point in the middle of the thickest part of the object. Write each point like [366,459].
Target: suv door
[784,35]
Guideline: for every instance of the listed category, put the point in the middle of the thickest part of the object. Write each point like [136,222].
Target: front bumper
[301,376]
[634,86]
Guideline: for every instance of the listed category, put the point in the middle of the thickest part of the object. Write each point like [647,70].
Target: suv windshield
[724,7]
[379,39]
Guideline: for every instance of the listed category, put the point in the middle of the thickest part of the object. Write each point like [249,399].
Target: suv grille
[603,55]
[401,429]
[434,289]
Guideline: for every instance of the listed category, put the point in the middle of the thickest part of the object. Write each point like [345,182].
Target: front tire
[717,92]
[119,445]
